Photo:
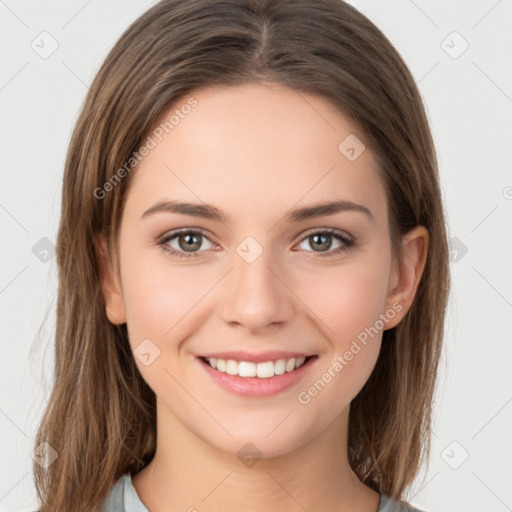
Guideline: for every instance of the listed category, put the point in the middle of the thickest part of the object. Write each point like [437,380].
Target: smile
[264,370]
[257,379]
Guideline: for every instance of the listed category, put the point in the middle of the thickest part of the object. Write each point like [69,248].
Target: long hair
[101,415]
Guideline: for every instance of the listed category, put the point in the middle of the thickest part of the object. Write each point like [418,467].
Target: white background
[469,103]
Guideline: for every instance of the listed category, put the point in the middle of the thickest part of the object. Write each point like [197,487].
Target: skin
[255,152]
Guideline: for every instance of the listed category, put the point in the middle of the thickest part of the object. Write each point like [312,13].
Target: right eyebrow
[197,210]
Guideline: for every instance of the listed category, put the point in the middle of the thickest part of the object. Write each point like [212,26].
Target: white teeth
[232,367]
[290,364]
[246,369]
[280,366]
[265,370]
[221,365]
[262,370]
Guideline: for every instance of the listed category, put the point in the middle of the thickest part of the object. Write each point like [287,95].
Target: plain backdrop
[460,55]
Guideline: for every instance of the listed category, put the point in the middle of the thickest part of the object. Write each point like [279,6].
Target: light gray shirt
[124,498]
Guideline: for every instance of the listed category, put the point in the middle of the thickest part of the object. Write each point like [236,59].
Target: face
[255,280]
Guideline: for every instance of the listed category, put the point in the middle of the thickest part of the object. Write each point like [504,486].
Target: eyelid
[174,233]
[333,231]
[163,242]
[347,242]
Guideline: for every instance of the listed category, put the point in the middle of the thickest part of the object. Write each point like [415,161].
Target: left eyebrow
[327,208]
[207,211]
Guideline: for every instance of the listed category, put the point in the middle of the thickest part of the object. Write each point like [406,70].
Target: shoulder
[115,501]
[123,497]
[388,504]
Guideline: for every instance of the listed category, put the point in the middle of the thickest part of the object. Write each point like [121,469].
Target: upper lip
[271,355]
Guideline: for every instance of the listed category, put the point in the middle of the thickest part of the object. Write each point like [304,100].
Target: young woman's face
[274,279]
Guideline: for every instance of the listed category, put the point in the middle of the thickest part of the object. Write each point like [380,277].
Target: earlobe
[110,286]
[407,274]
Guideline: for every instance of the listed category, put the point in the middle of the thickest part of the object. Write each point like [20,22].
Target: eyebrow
[207,211]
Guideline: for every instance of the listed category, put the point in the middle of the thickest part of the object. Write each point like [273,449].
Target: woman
[209,355]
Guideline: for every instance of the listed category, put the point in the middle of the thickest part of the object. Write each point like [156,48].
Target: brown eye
[321,242]
[185,243]
[189,241]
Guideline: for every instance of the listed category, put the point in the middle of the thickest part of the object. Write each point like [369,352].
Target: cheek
[161,296]
[348,308]
[346,299]
[347,302]
[162,305]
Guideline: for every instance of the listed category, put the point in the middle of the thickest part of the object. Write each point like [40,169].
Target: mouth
[259,380]
[260,370]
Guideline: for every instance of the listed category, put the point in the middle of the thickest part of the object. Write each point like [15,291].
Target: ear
[407,273]
[110,285]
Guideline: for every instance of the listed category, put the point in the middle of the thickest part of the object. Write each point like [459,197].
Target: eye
[186,242]
[323,240]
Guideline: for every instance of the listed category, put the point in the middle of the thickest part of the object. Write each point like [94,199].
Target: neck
[188,473]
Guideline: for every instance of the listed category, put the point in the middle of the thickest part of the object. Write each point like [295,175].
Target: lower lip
[254,386]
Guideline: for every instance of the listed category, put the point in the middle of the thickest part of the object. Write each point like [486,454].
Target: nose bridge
[254,295]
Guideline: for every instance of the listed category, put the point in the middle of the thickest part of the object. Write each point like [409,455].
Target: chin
[258,445]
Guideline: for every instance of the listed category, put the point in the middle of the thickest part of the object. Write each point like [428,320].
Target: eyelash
[347,243]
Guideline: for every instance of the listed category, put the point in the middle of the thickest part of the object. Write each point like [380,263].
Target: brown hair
[101,417]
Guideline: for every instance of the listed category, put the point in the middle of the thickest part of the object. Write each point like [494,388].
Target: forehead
[256,149]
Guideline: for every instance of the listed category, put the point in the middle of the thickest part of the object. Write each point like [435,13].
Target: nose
[256,295]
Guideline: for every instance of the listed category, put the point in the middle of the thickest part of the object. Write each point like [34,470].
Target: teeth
[232,367]
[262,370]
[221,365]
[279,367]
[299,361]
[246,369]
